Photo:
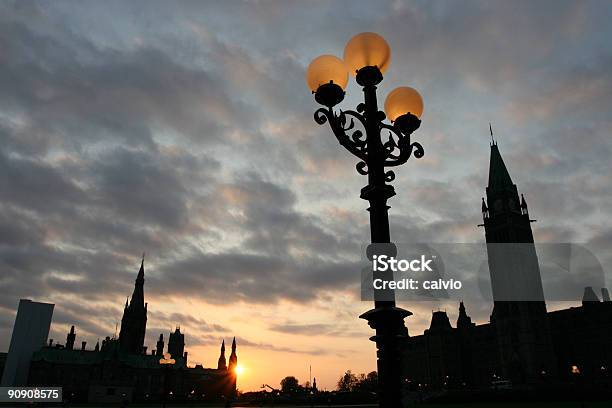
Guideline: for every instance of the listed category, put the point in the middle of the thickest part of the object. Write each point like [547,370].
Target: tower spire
[138,294]
[524,209]
[134,320]
[499,178]
[520,326]
[463,321]
[491,131]
[222,365]
[485,209]
[233,359]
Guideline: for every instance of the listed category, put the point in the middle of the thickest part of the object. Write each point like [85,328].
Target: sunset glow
[185,130]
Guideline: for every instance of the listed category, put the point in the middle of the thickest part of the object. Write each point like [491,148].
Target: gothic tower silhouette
[233,363]
[176,343]
[70,338]
[159,350]
[519,310]
[221,364]
[233,359]
[134,320]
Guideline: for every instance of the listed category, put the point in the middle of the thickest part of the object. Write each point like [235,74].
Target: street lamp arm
[342,126]
[398,147]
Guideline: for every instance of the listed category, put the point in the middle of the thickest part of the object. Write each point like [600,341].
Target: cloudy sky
[184,130]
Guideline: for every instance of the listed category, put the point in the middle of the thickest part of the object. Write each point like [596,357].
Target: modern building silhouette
[122,369]
[30,333]
[523,346]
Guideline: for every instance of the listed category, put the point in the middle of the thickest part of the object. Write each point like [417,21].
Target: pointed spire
[463,321]
[485,209]
[499,178]
[137,300]
[222,365]
[233,359]
[491,130]
[141,271]
[524,209]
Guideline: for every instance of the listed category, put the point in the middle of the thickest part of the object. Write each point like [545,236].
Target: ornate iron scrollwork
[397,146]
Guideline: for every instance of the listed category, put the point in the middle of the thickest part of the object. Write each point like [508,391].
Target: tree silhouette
[290,385]
[347,382]
[350,382]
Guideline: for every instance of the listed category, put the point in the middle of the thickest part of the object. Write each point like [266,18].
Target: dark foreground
[534,404]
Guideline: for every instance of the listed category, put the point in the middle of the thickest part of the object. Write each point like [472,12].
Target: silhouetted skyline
[185,130]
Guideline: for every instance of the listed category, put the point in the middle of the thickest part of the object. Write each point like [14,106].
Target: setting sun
[239,369]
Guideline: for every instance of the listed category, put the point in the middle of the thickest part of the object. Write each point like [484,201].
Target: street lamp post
[367,55]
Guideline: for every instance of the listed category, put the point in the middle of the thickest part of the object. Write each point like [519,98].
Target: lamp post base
[388,321]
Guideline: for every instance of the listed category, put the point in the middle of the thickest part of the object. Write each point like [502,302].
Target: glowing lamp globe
[404,106]
[403,100]
[327,76]
[367,50]
[326,69]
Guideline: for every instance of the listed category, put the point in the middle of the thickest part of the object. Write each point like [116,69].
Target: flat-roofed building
[30,334]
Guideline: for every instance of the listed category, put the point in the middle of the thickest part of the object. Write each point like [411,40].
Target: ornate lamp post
[367,56]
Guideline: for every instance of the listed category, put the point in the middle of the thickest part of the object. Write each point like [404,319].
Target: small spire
[523,205]
[141,271]
[491,131]
[222,365]
[485,209]
[463,320]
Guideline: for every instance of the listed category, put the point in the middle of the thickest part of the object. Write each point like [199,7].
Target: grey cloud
[316,329]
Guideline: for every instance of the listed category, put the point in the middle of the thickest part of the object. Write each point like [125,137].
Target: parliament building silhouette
[122,369]
[523,346]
